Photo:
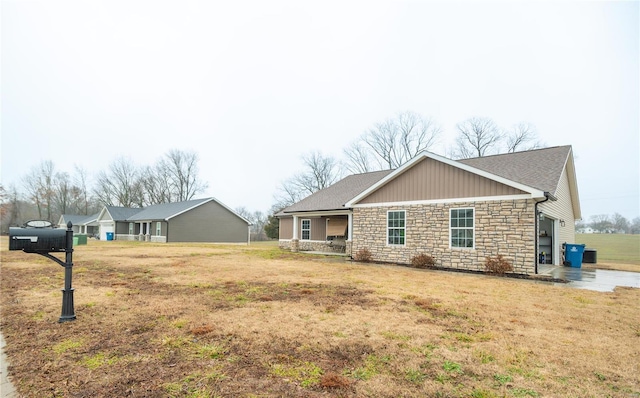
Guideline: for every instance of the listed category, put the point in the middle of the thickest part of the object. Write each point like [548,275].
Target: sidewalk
[6,388]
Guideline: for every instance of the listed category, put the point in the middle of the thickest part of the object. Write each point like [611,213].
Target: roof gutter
[547,197]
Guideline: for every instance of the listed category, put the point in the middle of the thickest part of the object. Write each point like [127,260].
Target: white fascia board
[449,200]
[535,193]
[102,212]
[570,169]
[386,179]
[228,208]
[306,214]
[189,209]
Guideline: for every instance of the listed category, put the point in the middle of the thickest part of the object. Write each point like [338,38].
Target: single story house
[198,220]
[520,205]
[85,225]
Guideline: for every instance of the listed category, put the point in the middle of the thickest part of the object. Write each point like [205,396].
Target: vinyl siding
[562,209]
[122,228]
[286,228]
[163,228]
[209,222]
[430,180]
[318,228]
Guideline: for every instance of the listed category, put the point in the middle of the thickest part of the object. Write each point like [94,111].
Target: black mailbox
[38,240]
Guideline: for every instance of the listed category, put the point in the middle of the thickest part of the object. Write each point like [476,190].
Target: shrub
[363,255]
[422,261]
[497,265]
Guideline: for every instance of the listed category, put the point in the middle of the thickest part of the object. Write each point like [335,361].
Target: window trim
[472,228]
[403,228]
[302,229]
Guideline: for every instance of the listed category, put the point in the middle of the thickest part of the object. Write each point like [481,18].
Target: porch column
[295,228]
[295,242]
[141,232]
[148,237]
[350,226]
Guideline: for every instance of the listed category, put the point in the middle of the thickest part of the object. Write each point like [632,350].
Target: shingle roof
[76,219]
[165,210]
[121,213]
[335,196]
[540,168]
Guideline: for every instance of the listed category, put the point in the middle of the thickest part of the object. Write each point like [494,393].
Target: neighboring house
[199,220]
[86,225]
[517,205]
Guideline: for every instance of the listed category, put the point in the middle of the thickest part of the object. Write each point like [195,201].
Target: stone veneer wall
[142,238]
[501,227]
[311,245]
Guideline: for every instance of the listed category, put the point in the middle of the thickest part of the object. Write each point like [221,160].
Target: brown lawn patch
[236,321]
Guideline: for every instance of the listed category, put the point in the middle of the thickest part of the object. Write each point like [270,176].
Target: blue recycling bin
[573,254]
[109,235]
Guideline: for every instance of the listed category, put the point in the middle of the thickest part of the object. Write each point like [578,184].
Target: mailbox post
[40,238]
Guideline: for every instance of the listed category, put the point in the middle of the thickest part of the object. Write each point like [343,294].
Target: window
[462,228]
[306,229]
[395,227]
[130,228]
[158,228]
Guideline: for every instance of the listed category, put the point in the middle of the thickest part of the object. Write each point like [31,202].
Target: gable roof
[119,213]
[163,211]
[536,172]
[335,196]
[538,168]
[533,191]
[77,219]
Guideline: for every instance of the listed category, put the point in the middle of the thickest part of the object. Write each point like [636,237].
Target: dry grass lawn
[168,320]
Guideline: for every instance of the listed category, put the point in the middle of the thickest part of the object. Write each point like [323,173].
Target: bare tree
[391,143]
[62,193]
[620,223]
[174,178]
[121,185]
[358,158]
[81,196]
[601,222]
[38,184]
[156,182]
[476,137]
[243,212]
[320,172]
[522,137]
[10,204]
[182,168]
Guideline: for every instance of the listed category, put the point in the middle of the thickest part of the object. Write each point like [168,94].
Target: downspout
[547,196]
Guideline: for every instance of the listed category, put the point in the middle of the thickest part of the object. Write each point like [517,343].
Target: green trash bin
[75,241]
[82,239]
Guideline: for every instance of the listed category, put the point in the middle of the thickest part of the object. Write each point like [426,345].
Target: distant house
[199,220]
[521,205]
[87,225]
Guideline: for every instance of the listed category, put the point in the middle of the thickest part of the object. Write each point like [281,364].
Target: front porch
[322,232]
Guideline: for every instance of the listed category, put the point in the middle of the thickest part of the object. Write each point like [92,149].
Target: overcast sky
[251,86]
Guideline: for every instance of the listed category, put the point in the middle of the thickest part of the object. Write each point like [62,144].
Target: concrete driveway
[595,279]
